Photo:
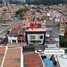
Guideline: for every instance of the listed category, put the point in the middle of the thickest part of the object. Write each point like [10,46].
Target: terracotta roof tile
[18,25]
[10,56]
[2,51]
[32,59]
[27,16]
[21,32]
[26,24]
[15,30]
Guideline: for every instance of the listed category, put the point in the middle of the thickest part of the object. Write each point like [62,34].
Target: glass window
[62,29]
[10,35]
[25,65]
[41,37]
[17,60]
[32,37]
[1,55]
[15,35]
[38,64]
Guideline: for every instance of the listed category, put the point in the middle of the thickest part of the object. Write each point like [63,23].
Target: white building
[35,36]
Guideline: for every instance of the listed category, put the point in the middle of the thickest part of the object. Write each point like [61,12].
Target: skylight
[1,55]
[25,65]
[38,64]
[17,60]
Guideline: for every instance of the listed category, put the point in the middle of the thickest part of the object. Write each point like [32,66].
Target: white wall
[37,37]
[12,38]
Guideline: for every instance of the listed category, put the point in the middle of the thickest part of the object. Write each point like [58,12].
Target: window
[66,23]
[23,24]
[62,29]
[17,60]
[25,65]
[10,35]
[39,25]
[38,64]
[41,37]
[15,35]
[32,37]
[1,55]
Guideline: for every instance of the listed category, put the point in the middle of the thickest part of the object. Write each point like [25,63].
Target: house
[32,60]
[16,35]
[26,25]
[27,13]
[62,28]
[40,24]
[49,24]
[11,57]
[6,17]
[36,36]
[28,17]
[52,34]
[52,42]
[38,17]
[63,23]
[46,17]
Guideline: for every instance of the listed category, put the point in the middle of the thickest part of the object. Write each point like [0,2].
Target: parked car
[39,51]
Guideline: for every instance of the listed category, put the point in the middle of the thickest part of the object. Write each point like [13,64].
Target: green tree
[20,16]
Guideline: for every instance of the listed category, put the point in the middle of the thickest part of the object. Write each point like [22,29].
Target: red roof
[18,25]
[62,17]
[28,16]
[15,30]
[10,56]
[26,24]
[2,51]
[8,15]
[32,59]
[21,31]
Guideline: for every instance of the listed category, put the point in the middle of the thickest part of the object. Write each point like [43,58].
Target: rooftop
[2,51]
[12,58]
[39,22]
[36,29]
[33,60]
[15,30]
[62,61]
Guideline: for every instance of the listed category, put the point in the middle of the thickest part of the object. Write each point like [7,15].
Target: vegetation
[21,12]
[21,15]
[63,42]
[4,9]
[60,12]
[45,2]
[65,50]
[3,21]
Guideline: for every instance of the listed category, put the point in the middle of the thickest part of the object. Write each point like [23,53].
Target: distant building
[20,0]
